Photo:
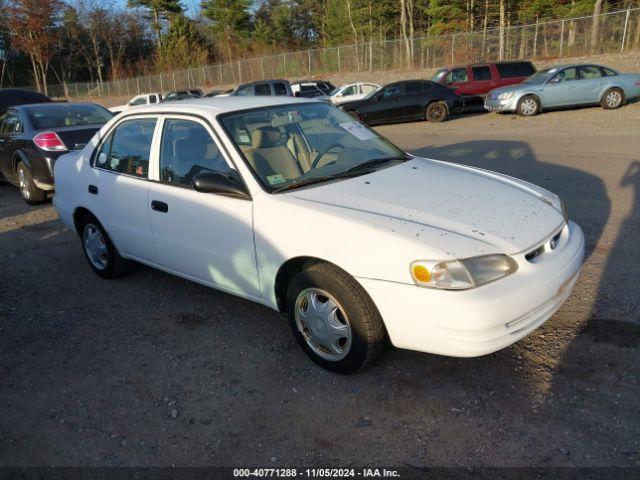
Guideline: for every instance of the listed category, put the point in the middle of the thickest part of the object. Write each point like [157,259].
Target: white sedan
[293,204]
[352,91]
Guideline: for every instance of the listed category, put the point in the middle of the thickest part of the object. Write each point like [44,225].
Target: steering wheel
[316,160]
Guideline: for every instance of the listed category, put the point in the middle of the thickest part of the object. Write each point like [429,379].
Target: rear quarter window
[481,73]
[515,69]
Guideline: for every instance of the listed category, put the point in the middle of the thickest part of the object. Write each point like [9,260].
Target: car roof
[266,80]
[481,64]
[218,105]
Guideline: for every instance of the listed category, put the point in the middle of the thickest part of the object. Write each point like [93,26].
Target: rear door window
[280,89]
[128,148]
[10,123]
[481,73]
[262,89]
[413,88]
[590,71]
[515,69]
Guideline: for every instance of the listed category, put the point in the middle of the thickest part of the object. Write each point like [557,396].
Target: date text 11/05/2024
[316,472]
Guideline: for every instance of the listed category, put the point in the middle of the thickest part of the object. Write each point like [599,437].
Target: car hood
[353,104]
[461,210]
[510,88]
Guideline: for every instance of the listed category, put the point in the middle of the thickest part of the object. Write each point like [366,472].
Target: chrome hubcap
[22,182]
[613,99]
[529,106]
[323,324]
[95,246]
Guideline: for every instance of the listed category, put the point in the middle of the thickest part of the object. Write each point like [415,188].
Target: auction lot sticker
[358,130]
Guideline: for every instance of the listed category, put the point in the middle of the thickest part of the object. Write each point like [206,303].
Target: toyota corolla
[295,205]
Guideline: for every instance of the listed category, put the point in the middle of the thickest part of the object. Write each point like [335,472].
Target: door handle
[159,206]
[93,189]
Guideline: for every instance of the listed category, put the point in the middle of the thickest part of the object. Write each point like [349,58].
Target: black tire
[30,193]
[436,112]
[368,334]
[612,99]
[528,106]
[114,264]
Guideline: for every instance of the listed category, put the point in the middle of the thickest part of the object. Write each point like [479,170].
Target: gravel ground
[151,369]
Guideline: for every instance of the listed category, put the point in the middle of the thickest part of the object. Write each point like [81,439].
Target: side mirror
[228,184]
[296,94]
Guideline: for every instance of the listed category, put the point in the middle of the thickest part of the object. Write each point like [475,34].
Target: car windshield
[290,146]
[439,74]
[540,76]
[56,115]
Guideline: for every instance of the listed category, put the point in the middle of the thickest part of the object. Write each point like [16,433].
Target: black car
[180,95]
[33,136]
[406,100]
[16,96]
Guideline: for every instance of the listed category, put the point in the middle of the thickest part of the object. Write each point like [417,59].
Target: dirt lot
[154,370]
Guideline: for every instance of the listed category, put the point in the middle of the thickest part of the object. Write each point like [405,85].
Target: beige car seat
[268,157]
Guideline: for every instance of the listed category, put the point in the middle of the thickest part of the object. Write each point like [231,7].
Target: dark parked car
[479,79]
[32,137]
[264,87]
[406,100]
[15,96]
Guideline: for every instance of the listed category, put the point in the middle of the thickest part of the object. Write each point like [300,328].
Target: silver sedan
[565,86]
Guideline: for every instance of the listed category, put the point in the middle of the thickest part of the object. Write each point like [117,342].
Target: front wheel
[612,99]
[30,193]
[103,257]
[528,106]
[436,112]
[333,319]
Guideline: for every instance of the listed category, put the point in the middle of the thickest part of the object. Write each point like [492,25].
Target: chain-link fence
[616,32]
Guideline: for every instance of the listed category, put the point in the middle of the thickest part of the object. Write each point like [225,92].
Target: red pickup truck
[479,79]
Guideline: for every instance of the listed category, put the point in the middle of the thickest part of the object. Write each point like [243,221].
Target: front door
[201,236]
[562,89]
[386,105]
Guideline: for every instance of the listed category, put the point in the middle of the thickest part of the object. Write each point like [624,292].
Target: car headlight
[462,274]
[506,96]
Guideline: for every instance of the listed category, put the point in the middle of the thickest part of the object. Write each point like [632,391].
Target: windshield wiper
[310,181]
[356,170]
[370,165]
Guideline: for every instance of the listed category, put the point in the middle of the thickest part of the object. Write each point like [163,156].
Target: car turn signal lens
[421,273]
[50,142]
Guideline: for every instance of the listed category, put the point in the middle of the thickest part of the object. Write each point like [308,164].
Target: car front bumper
[482,320]
[497,105]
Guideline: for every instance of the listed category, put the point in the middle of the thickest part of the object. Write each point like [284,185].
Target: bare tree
[595,25]
[32,22]
[502,27]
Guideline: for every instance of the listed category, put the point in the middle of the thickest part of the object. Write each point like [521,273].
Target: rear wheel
[333,319]
[612,99]
[436,112]
[528,106]
[30,193]
[103,257]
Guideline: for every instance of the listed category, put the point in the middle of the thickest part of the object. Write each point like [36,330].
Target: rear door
[591,84]
[413,100]
[201,236]
[117,193]
[482,80]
